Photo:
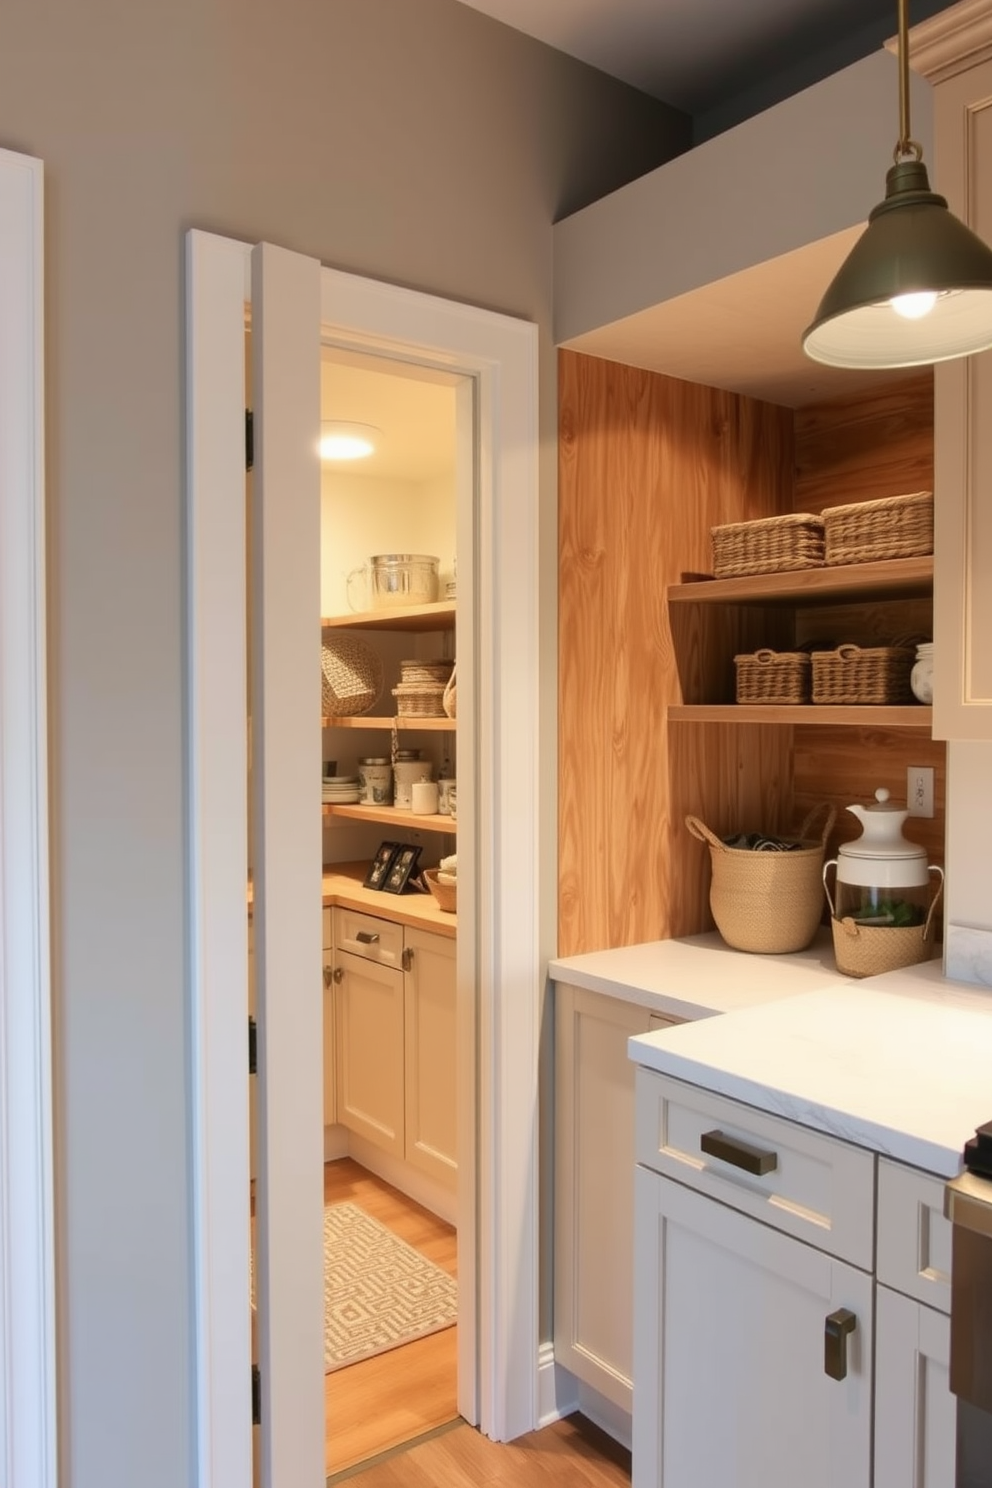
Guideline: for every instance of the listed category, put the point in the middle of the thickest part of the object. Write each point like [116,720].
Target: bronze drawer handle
[836,1328]
[367,937]
[756,1160]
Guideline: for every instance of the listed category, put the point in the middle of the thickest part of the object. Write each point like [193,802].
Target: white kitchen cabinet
[594,1187]
[369,1026]
[393,992]
[915,1412]
[952,50]
[730,1378]
[430,1055]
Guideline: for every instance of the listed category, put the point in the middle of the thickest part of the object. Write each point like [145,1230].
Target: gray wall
[420,143]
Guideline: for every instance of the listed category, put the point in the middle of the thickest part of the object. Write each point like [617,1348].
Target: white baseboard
[339,1142]
[603,1413]
[557,1389]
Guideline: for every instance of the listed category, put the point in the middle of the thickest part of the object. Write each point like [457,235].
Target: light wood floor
[570,1454]
[396,1396]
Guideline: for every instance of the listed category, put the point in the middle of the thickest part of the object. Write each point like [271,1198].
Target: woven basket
[434,673]
[863,675]
[352,676]
[869,531]
[768,545]
[868,950]
[445,894]
[419,700]
[767,902]
[780,677]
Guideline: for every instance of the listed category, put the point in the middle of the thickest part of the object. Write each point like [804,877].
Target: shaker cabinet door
[731,1386]
[962,702]
[915,1412]
[369,1028]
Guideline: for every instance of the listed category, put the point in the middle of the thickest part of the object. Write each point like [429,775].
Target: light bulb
[914,306]
[344,441]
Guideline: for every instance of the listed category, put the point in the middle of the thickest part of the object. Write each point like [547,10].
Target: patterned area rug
[378,1291]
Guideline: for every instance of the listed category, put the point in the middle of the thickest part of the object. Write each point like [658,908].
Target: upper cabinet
[954,50]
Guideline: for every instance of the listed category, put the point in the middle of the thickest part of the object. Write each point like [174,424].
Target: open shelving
[395,816]
[439,616]
[712,619]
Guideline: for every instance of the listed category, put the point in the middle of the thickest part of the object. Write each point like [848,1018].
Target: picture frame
[380,865]
[401,869]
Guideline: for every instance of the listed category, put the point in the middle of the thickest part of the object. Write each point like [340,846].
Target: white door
[730,1382]
[915,1412]
[499,970]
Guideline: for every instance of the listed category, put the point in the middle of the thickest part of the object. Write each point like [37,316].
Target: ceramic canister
[375,776]
[405,772]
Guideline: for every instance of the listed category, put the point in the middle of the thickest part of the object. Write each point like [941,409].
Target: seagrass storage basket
[767,902]
[852,675]
[774,677]
[351,676]
[869,531]
[767,545]
[868,950]
[446,894]
[420,690]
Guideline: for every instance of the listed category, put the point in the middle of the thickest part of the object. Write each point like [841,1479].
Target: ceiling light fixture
[916,287]
[344,441]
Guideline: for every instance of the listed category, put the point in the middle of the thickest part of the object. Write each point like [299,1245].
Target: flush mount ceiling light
[344,441]
[916,287]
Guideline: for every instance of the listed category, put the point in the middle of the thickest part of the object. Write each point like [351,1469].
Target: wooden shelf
[914,717]
[394,816]
[377,721]
[897,578]
[440,616]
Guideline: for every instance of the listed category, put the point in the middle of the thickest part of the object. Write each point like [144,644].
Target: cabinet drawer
[805,1183]
[368,936]
[914,1238]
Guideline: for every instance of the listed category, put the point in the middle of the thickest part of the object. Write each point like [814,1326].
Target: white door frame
[499,964]
[28,1422]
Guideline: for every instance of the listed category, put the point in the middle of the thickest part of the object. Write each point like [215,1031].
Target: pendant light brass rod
[905,145]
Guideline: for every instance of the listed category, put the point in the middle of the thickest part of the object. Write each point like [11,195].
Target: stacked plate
[341,790]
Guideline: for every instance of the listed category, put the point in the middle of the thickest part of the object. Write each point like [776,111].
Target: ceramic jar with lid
[375,776]
[921,677]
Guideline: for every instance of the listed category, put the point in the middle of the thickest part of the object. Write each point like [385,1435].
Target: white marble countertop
[901,1063]
[699,975]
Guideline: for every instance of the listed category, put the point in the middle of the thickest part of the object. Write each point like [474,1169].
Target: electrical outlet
[919,790]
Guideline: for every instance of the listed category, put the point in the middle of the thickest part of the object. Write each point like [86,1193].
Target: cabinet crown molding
[950,42]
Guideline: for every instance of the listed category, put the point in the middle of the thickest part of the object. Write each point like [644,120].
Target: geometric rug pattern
[378,1291]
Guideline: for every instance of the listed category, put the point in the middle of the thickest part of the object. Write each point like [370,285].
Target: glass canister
[882,877]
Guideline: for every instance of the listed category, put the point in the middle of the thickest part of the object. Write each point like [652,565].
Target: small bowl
[445,894]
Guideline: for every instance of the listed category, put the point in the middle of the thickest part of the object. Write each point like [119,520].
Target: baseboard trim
[557,1388]
[417,1186]
[612,1419]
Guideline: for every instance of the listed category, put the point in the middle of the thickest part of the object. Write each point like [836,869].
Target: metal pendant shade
[913,246]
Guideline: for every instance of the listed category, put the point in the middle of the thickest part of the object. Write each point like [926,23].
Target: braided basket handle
[828,822]
[702,833]
[933,903]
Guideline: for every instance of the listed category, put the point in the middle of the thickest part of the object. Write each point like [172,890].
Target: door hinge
[252,1047]
[249,439]
[256,1395]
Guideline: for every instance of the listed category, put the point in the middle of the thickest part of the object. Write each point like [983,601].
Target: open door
[293,303]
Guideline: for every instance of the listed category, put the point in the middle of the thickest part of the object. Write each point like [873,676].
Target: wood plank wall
[647,464]
[856,449]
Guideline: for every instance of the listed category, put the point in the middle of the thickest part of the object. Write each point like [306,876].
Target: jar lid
[374,759]
[881,835]
[408,754]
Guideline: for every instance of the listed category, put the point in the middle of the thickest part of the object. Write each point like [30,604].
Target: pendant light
[916,287]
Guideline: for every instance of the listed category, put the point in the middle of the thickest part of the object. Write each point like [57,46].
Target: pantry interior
[389,973]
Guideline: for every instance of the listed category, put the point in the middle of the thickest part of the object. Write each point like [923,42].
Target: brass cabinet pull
[407,958]
[328,975]
[836,1328]
[757,1160]
[367,937]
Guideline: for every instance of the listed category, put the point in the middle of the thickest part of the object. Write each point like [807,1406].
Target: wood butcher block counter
[342,884]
